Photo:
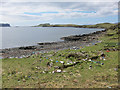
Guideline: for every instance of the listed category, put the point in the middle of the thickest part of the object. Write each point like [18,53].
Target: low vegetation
[94,66]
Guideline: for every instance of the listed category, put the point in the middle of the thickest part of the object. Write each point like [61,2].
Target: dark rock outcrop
[47,43]
[27,47]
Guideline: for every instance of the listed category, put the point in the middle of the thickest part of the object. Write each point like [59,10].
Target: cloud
[43,11]
[61,0]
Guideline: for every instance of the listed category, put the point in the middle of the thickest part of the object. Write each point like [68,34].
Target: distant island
[4,25]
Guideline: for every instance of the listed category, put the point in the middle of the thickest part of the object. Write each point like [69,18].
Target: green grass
[23,72]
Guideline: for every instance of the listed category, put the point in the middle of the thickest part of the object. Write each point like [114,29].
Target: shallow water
[23,36]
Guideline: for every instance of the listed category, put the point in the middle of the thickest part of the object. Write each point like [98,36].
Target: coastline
[70,42]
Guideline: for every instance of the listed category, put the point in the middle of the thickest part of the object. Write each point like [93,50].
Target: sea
[26,36]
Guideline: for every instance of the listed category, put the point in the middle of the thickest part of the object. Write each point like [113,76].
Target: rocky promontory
[4,25]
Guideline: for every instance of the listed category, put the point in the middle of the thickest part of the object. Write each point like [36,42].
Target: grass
[33,72]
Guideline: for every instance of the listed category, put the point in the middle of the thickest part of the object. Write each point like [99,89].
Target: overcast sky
[33,13]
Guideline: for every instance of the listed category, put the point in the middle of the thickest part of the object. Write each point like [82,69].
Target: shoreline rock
[82,37]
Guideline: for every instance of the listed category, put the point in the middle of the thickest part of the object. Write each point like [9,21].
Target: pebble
[104,59]
[109,87]
[59,70]
[64,71]
[75,81]
[61,62]
[68,63]
[89,60]
[115,69]
[53,71]
[79,74]
[77,71]
[74,62]
[24,80]
[90,67]
[43,71]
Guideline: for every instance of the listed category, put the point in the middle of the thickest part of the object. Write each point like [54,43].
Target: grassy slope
[23,72]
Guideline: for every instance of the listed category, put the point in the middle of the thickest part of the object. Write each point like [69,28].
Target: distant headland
[100,25]
[4,25]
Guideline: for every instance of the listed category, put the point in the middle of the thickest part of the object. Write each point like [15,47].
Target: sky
[24,13]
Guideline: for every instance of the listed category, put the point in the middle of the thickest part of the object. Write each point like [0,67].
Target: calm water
[24,36]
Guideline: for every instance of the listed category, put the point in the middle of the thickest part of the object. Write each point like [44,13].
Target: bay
[26,36]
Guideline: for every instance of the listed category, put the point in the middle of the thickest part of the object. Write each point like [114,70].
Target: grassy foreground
[84,67]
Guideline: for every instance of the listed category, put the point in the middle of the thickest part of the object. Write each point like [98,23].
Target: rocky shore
[70,42]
